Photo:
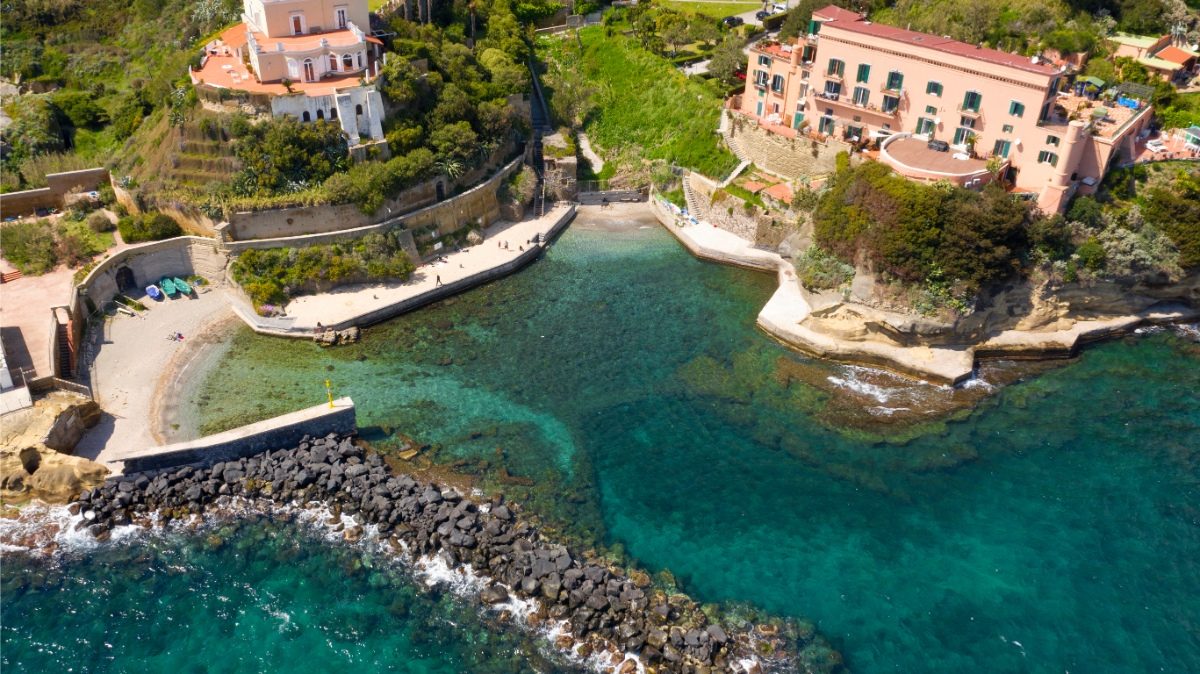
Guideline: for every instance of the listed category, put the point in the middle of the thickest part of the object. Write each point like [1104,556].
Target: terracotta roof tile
[1175,54]
[855,23]
[780,192]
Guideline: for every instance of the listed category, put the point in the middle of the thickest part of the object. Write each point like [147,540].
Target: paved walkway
[25,314]
[503,244]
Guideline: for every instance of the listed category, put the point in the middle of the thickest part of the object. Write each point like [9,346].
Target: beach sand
[136,367]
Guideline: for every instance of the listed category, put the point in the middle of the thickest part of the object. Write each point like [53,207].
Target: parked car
[733,21]
[938,145]
[761,14]
[1156,146]
[779,7]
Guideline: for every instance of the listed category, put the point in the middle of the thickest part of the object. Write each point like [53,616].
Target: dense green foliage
[112,62]
[368,184]
[38,246]
[147,227]
[1023,26]
[275,275]
[632,103]
[817,269]
[285,155]
[917,232]
[1150,199]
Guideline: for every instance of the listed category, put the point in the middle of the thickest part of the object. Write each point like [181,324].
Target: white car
[1156,146]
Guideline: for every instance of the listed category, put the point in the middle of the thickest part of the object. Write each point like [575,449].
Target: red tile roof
[1175,55]
[780,192]
[856,23]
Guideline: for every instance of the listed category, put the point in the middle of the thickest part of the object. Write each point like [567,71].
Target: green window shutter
[864,72]
[1016,109]
[931,110]
[934,88]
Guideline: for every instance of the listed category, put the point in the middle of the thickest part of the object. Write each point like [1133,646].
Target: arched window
[358,109]
[333,62]
[333,113]
[304,117]
[321,114]
[360,59]
[348,62]
[310,71]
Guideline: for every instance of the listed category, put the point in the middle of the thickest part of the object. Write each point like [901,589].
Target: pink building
[310,59]
[859,80]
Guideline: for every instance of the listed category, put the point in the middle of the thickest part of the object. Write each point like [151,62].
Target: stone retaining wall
[180,256]
[58,185]
[788,157]
[459,286]
[249,440]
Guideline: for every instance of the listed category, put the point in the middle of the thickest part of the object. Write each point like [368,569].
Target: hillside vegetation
[632,102]
[951,245]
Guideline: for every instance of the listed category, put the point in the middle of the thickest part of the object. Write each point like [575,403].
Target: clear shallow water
[1056,529]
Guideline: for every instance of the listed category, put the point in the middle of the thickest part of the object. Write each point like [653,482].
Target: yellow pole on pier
[329,391]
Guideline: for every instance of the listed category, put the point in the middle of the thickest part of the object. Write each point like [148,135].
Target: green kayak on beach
[167,286]
[182,286]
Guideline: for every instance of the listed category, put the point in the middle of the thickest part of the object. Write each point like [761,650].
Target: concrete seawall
[286,327]
[281,431]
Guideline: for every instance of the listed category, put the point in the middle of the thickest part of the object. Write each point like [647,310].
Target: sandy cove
[848,332]
[138,372]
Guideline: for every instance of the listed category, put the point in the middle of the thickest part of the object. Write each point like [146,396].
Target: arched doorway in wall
[441,191]
[126,282]
[321,114]
[348,62]
[333,113]
[304,117]
[310,72]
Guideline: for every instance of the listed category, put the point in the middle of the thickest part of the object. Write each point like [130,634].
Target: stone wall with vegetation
[801,157]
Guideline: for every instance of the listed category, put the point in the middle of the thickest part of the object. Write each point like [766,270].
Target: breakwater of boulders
[604,612]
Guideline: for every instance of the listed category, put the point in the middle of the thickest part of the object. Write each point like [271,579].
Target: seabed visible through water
[619,388]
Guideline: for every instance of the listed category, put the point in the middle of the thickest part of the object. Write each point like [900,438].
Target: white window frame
[292,23]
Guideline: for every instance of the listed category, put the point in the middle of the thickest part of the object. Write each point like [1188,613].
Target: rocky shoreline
[607,615]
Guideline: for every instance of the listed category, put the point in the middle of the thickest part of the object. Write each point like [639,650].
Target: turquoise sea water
[1055,529]
[253,596]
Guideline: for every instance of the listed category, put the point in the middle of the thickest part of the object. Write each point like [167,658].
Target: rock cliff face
[1022,307]
[32,445]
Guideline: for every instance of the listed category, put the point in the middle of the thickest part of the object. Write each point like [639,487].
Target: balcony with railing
[848,102]
[969,111]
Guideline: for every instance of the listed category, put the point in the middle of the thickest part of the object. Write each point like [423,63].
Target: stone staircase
[689,195]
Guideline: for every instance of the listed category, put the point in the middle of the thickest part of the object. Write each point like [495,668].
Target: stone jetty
[605,612]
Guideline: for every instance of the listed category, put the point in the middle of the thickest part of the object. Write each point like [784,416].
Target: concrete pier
[282,431]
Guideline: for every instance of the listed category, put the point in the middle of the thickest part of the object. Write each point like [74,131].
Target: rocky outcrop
[605,611]
[33,442]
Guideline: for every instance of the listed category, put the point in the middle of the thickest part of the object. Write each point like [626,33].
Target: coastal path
[507,246]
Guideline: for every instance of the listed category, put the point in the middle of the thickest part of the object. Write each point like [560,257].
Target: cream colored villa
[310,58]
[857,80]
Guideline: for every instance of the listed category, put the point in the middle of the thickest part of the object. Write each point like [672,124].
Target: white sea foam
[853,383]
[46,529]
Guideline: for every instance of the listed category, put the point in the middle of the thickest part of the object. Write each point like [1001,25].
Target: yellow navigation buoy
[329,390]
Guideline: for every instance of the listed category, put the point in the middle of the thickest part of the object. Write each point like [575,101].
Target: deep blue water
[1055,529]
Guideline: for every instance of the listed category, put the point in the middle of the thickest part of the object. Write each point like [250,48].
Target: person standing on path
[439,282]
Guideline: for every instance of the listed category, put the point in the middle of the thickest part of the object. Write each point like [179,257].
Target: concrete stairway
[689,195]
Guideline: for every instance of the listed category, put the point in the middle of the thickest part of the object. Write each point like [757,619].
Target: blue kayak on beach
[153,292]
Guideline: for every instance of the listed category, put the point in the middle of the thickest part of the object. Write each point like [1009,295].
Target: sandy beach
[136,366]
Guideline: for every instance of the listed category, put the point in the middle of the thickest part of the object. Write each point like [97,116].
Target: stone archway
[125,279]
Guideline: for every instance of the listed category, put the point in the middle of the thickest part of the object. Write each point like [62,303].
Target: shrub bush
[274,275]
[29,246]
[147,227]
[818,269]
[98,221]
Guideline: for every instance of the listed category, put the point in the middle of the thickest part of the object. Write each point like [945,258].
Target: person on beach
[439,282]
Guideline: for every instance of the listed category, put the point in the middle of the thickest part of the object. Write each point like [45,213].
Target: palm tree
[453,168]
